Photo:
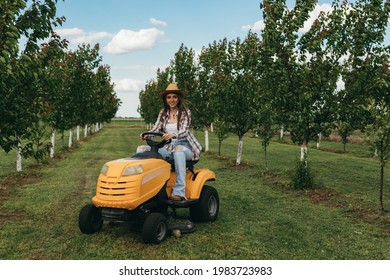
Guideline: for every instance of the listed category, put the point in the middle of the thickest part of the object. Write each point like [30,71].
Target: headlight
[133,170]
[104,170]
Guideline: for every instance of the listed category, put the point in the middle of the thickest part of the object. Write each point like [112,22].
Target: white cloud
[314,15]
[128,85]
[70,32]
[128,40]
[340,85]
[77,36]
[157,22]
[257,26]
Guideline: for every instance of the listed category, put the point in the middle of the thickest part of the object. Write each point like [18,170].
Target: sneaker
[177,198]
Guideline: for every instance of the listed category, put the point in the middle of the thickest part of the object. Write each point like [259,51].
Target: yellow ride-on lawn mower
[137,189]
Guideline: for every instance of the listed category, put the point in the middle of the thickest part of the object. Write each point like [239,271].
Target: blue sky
[138,36]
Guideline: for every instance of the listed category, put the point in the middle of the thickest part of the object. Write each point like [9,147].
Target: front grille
[123,189]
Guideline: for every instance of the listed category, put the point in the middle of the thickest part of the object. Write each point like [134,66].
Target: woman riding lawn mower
[138,189]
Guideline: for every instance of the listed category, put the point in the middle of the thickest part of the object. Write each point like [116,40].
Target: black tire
[90,219]
[207,209]
[155,228]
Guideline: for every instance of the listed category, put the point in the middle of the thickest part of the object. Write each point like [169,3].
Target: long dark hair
[181,105]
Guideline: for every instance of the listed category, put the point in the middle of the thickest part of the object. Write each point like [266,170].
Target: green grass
[260,216]
[127,121]
[8,160]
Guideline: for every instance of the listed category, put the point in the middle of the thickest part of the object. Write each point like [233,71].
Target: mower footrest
[181,203]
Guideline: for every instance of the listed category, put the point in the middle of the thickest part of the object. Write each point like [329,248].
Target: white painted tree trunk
[97,127]
[78,133]
[281,133]
[70,138]
[212,127]
[86,131]
[206,140]
[239,152]
[19,156]
[319,140]
[53,143]
[303,150]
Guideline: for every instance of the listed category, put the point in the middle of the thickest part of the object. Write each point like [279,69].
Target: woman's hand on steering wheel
[168,136]
[141,137]
[149,135]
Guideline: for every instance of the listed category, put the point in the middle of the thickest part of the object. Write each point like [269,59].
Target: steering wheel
[152,143]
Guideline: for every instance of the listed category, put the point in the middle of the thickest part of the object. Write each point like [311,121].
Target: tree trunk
[19,155]
[78,133]
[86,131]
[381,187]
[303,150]
[265,158]
[239,152]
[70,138]
[281,133]
[319,140]
[219,147]
[206,139]
[53,143]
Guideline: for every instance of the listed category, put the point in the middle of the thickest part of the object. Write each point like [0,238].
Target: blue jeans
[181,151]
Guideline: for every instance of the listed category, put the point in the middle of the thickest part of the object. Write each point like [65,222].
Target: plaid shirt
[184,132]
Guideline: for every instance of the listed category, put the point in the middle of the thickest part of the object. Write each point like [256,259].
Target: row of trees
[44,87]
[284,78]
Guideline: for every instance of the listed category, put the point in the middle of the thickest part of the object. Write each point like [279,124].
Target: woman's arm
[185,123]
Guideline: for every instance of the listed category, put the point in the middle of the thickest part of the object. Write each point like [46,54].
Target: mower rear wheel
[207,209]
[90,219]
[155,228]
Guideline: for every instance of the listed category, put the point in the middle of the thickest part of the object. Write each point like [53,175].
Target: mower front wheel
[90,219]
[155,228]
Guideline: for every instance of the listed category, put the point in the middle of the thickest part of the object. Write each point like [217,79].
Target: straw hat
[172,88]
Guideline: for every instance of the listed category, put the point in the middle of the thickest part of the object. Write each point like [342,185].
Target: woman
[174,121]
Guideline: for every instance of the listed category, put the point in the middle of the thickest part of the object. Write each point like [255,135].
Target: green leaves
[43,87]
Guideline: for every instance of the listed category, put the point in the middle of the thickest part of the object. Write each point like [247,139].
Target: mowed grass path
[260,216]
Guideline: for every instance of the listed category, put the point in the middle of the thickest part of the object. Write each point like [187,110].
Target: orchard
[333,77]
[44,87]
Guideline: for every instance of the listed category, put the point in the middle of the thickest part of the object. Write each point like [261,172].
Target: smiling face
[172,100]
